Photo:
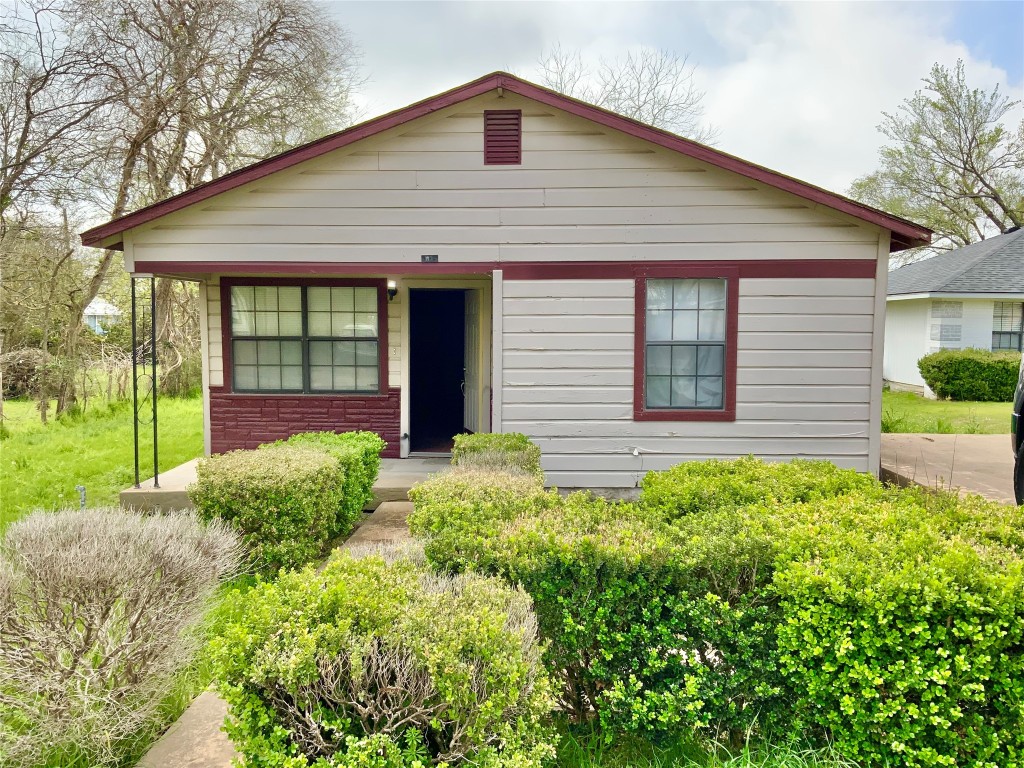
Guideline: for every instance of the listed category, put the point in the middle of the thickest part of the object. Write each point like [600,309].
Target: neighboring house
[969,297]
[504,258]
[100,315]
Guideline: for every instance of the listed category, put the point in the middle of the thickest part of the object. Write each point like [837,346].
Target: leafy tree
[652,86]
[951,163]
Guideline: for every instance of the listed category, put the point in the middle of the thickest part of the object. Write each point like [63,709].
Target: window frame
[1018,334]
[227,337]
[641,412]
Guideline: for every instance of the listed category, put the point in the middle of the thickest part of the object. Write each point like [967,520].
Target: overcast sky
[798,87]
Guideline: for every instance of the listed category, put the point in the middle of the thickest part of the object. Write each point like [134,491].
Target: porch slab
[395,479]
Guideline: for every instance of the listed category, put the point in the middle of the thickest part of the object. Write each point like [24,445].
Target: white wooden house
[501,257]
[971,297]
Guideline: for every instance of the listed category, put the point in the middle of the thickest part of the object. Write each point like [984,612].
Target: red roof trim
[905,234]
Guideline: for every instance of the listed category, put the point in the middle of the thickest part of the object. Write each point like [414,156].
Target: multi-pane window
[1008,325]
[685,344]
[305,339]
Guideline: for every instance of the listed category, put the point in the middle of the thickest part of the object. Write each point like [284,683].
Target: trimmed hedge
[720,485]
[359,455]
[971,374]
[507,452]
[888,621]
[283,499]
[376,662]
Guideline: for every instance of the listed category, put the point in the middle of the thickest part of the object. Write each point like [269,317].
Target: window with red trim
[685,347]
[306,338]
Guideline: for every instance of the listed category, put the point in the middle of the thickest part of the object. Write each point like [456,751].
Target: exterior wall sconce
[392,290]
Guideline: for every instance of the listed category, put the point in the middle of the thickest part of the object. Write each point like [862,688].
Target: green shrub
[283,499]
[903,630]
[359,455]
[971,374]
[376,662]
[508,452]
[457,511]
[724,485]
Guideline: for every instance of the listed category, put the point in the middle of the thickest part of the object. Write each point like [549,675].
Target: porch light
[392,290]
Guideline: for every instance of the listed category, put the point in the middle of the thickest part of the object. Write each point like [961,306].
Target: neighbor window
[686,336]
[290,338]
[1008,325]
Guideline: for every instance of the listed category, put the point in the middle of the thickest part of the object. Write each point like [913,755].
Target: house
[503,258]
[968,297]
[100,314]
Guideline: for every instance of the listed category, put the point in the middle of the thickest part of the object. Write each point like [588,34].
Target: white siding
[583,192]
[803,379]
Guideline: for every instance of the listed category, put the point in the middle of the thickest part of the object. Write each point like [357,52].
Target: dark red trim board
[905,234]
[382,329]
[728,412]
[513,270]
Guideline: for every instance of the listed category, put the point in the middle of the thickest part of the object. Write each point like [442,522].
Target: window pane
[343,299]
[344,378]
[710,361]
[658,389]
[266,298]
[291,377]
[318,299]
[269,377]
[344,353]
[321,377]
[684,391]
[366,353]
[712,325]
[269,352]
[343,324]
[245,352]
[289,299]
[366,300]
[684,296]
[245,377]
[709,392]
[320,353]
[319,324]
[290,323]
[659,325]
[366,378]
[291,352]
[243,323]
[684,360]
[266,323]
[659,294]
[712,294]
[242,298]
[366,324]
[684,325]
[659,360]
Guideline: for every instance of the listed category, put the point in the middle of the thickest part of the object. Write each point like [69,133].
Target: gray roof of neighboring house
[995,265]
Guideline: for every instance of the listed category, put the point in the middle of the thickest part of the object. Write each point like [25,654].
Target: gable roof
[905,234]
[995,265]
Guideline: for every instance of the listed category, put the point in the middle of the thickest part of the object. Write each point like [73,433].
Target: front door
[437,367]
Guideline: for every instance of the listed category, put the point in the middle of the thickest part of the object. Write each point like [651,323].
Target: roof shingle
[995,265]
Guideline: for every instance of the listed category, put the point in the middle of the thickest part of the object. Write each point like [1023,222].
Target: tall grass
[40,465]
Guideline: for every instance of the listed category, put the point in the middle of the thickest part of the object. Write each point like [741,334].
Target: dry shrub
[96,612]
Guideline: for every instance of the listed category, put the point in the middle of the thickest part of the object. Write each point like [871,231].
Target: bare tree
[951,163]
[652,86]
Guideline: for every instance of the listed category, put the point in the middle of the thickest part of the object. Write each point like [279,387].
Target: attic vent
[503,137]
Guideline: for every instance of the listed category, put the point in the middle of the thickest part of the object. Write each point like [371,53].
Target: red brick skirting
[248,420]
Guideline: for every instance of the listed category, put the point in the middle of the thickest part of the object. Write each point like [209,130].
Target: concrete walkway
[981,464]
[196,740]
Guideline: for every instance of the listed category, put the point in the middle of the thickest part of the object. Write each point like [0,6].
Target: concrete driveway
[980,464]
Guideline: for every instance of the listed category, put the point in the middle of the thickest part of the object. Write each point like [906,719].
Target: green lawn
[41,465]
[907,412]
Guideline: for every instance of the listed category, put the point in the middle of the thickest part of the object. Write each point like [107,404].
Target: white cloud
[807,83]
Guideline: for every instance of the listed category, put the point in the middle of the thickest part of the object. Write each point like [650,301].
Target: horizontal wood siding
[583,192]
[803,378]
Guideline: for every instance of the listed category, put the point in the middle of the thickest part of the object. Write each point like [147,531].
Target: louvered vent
[503,137]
